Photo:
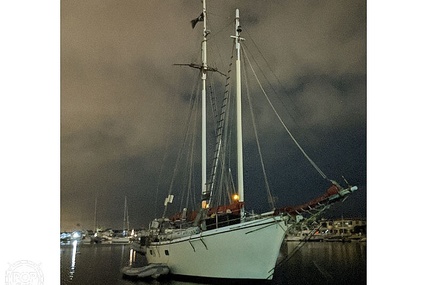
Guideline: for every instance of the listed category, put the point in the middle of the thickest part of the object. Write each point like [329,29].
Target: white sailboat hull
[247,250]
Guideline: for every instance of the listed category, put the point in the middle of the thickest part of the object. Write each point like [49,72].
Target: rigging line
[226,131]
[219,131]
[229,174]
[165,154]
[223,28]
[190,161]
[312,218]
[224,176]
[217,151]
[270,197]
[283,124]
[214,48]
[223,182]
[192,103]
[296,109]
[278,81]
[160,174]
[298,247]
[187,163]
[213,99]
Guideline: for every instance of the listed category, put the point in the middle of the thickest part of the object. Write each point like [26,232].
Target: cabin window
[166,252]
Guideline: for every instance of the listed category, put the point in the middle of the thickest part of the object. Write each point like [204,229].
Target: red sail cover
[233,208]
[294,210]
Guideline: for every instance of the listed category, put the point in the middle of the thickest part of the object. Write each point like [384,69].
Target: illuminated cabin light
[236,197]
[205,205]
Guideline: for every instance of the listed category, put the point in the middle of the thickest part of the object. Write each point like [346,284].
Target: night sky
[123,101]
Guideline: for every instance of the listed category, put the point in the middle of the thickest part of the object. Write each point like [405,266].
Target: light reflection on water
[132,257]
[324,263]
[315,263]
[73,260]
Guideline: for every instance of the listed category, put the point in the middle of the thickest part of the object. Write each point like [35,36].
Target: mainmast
[239,130]
[204,70]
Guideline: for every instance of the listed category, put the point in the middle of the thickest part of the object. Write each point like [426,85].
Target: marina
[341,230]
[331,230]
[314,263]
[322,246]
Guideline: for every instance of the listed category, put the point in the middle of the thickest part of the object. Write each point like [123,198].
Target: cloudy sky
[123,101]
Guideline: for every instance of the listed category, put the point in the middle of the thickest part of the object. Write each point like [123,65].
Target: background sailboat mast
[95,220]
[125,216]
[240,187]
[204,71]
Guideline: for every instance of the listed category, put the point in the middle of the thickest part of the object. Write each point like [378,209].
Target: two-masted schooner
[224,241]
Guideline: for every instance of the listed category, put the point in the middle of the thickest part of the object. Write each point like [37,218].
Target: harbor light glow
[235,197]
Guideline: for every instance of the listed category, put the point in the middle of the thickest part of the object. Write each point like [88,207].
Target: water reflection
[314,263]
[328,262]
[73,261]
[122,255]
[342,252]
[132,257]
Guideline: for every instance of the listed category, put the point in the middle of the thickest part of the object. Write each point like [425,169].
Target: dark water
[315,263]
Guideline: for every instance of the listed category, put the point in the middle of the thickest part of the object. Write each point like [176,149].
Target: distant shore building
[345,226]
